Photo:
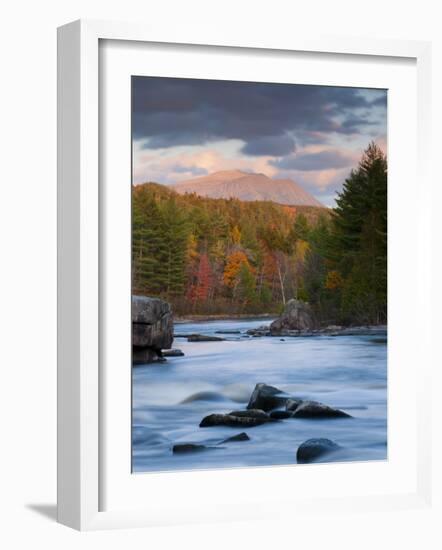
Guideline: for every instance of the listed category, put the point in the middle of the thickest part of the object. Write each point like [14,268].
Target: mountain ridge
[247,186]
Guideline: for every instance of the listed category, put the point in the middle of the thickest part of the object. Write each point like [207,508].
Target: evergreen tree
[359,245]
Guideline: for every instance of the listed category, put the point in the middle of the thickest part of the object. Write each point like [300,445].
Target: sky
[314,135]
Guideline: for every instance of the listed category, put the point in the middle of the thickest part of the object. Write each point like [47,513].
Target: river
[347,372]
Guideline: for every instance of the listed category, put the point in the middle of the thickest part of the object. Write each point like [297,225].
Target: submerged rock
[266,398]
[238,437]
[228,331]
[298,315]
[312,449]
[204,338]
[203,396]
[314,409]
[182,448]
[172,353]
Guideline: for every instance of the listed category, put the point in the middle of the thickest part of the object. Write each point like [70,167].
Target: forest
[228,257]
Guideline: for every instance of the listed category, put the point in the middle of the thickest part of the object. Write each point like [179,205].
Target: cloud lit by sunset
[314,135]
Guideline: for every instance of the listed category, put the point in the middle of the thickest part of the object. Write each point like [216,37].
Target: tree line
[226,256]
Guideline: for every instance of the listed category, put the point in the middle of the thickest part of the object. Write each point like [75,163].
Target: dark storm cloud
[306,162]
[276,146]
[169,112]
[380,100]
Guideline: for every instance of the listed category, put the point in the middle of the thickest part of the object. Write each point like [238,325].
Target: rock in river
[280,415]
[312,449]
[250,413]
[152,328]
[314,409]
[203,396]
[238,437]
[266,398]
[182,448]
[236,419]
[172,353]
[292,404]
[203,338]
[298,315]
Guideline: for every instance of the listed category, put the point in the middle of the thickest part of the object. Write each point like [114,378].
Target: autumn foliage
[211,256]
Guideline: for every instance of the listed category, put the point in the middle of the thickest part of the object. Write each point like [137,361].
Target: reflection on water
[348,372]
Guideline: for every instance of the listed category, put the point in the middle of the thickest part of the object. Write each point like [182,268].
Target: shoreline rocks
[298,315]
[152,329]
[332,330]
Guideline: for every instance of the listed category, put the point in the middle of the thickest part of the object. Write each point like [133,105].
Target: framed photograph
[237,275]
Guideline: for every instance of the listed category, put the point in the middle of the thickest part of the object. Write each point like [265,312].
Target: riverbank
[180,319]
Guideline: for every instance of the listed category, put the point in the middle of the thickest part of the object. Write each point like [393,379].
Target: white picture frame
[80,264]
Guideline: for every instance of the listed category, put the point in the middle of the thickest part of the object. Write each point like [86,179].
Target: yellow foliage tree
[236,235]
[301,249]
[233,266]
[333,280]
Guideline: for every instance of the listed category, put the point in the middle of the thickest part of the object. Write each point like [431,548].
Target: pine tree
[359,247]
[172,255]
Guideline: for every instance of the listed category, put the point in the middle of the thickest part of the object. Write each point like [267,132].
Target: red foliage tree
[202,283]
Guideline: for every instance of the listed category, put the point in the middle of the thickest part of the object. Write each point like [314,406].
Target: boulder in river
[298,315]
[313,449]
[292,404]
[263,330]
[250,413]
[266,398]
[152,328]
[234,421]
[280,415]
[204,338]
[314,409]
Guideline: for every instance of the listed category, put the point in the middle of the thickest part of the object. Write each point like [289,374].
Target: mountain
[247,187]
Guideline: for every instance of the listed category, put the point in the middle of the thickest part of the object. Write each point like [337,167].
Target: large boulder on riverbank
[298,315]
[152,328]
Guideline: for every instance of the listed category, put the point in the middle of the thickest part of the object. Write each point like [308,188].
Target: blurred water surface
[348,372]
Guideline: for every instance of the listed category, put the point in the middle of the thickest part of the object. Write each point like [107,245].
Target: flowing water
[347,372]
